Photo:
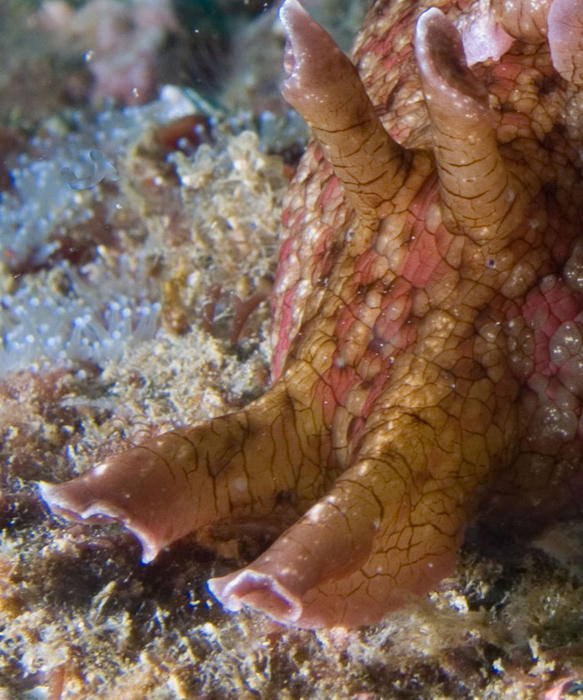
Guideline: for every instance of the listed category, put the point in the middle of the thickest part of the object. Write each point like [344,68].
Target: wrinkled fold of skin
[427,333]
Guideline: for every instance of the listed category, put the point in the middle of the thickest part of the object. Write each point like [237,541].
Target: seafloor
[128,252]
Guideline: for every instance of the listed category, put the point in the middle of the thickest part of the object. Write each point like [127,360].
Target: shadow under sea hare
[428,325]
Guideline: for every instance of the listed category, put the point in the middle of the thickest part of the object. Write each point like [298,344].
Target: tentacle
[233,466]
[558,21]
[389,529]
[565,33]
[330,541]
[523,19]
[483,35]
[324,86]
[480,197]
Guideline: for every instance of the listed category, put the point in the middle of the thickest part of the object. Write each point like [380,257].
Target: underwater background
[144,154]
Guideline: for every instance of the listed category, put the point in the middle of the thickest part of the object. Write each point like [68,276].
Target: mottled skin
[427,343]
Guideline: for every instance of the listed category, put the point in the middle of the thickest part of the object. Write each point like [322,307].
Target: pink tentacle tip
[74,501]
[565,35]
[259,591]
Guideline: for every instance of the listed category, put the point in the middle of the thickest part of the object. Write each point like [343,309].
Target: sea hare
[428,323]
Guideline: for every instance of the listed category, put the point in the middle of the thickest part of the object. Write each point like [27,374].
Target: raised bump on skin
[325,88]
[480,197]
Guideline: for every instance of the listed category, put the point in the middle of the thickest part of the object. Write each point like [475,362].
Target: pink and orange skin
[428,318]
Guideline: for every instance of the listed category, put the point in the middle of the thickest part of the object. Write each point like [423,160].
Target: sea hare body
[428,325]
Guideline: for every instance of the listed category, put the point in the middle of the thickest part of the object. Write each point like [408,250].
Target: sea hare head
[428,332]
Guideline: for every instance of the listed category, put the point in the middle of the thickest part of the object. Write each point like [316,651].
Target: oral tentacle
[324,86]
[328,543]
[480,197]
[184,480]
[389,528]
[565,35]
[558,21]
[523,19]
